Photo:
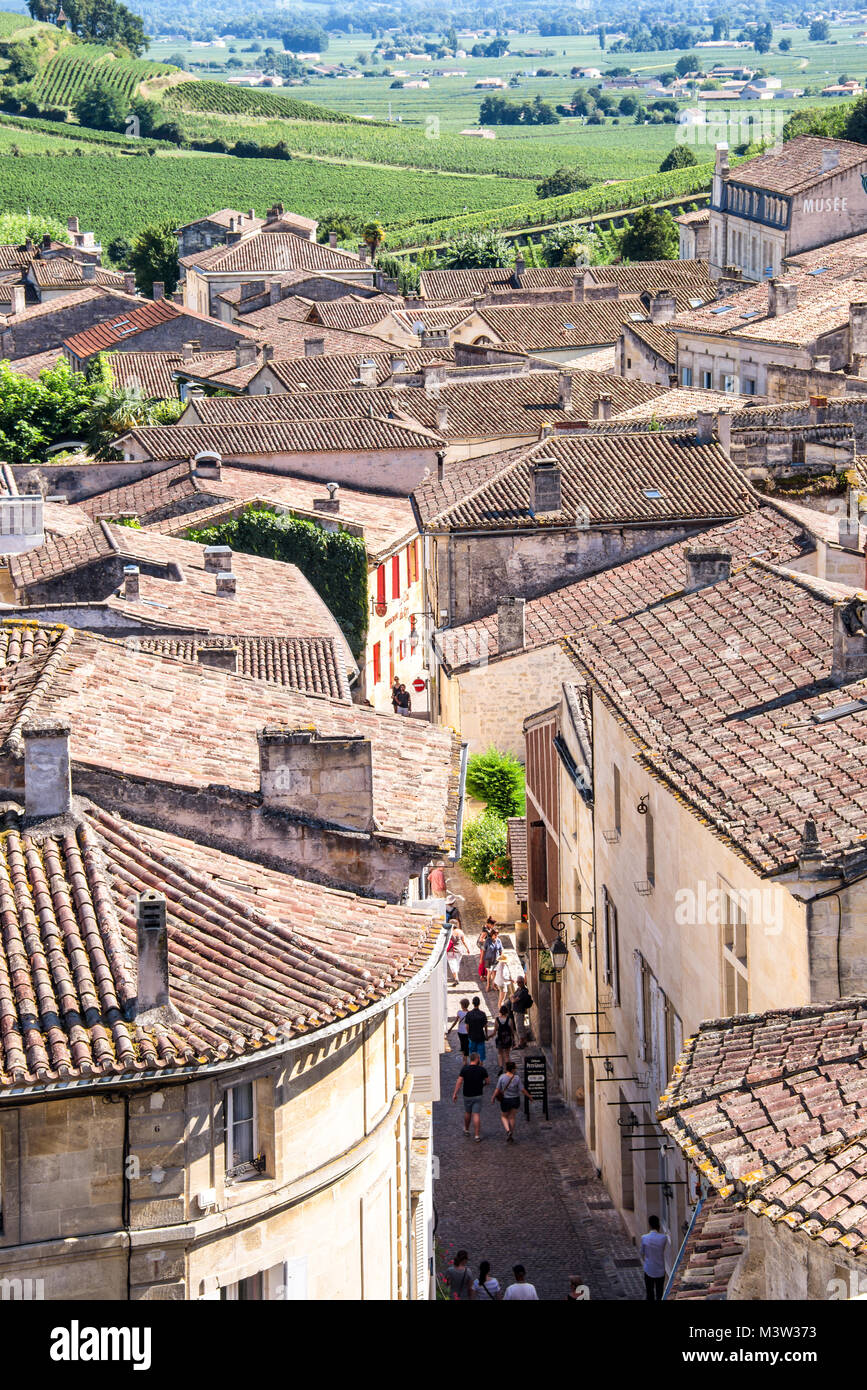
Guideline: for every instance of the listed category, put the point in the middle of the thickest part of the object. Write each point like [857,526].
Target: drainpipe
[462,781]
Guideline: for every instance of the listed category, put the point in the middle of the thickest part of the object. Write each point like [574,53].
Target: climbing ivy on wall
[334,561]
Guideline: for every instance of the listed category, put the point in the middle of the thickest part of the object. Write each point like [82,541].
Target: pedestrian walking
[453,912]
[482,943]
[493,951]
[457,947]
[477,1030]
[653,1247]
[473,1078]
[486,1287]
[508,1092]
[520,1290]
[502,980]
[458,1279]
[404,702]
[503,1038]
[395,694]
[522,1003]
[436,880]
[461,1020]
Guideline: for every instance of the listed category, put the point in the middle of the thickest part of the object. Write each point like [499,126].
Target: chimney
[602,408]
[724,430]
[722,168]
[275,292]
[251,213]
[510,624]
[252,289]
[442,417]
[218,559]
[441,465]
[47,781]
[332,239]
[72,224]
[246,354]
[433,374]
[88,270]
[129,283]
[211,466]
[188,351]
[703,427]
[663,306]
[326,776]
[17,300]
[367,371]
[518,273]
[46,243]
[331,503]
[226,584]
[398,364]
[314,347]
[706,565]
[782,297]
[545,486]
[564,391]
[152,949]
[221,658]
[159,289]
[809,854]
[849,655]
[267,352]
[130,581]
[362,252]
[822,362]
[857,328]
[579,286]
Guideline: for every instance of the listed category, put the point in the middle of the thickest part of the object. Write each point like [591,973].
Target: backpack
[505,1036]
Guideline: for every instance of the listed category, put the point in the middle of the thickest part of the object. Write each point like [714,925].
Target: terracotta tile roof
[517,839]
[609,480]
[440,317]
[432,498]
[272,252]
[252,957]
[725,691]
[61,271]
[146,314]
[658,338]
[798,164]
[354,403]
[280,437]
[197,727]
[66,301]
[711,1253]
[272,598]
[61,519]
[540,326]
[150,499]
[683,403]
[696,218]
[773,1108]
[463,284]
[630,587]
[337,371]
[20,640]
[355,311]
[312,664]
[15,257]
[223,217]
[280,328]
[38,362]
[153,372]
[220,371]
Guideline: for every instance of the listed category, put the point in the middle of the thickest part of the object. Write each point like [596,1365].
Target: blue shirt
[653,1247]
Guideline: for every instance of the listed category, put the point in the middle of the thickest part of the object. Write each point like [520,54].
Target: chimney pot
[131,581]
[706,565]
[510,624]
[47,780]
[704,426]
[159,289]
[564,391]
[129,283]
[221,658]
[602,407]
[545,486]
[332,239]
[152,946]
[218,559]
[226,584]
[331,503]
[326,776]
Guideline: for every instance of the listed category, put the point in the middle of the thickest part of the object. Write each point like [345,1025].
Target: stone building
[209,273]
[769,1108]
[156,325]
[215,1079]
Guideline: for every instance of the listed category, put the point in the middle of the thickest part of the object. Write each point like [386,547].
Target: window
[380,585]
[240,1114]
[412,562]
[610,947]
[734,955]
[578,940]
[391,658]
[649,851]
[245,1291]
[749,386]
[707,380]
[686,376]
[395,576]
[377,663]
[730,384]
[401,649]
[287,1280]
[539,861]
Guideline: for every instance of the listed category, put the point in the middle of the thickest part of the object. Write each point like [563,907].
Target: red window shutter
[380,584]
[377,663]
[412,562]
[391,658]
[395,576]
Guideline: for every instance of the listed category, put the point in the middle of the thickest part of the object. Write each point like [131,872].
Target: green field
[78,66]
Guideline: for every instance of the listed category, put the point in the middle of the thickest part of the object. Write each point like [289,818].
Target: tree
[102,107]
[681,157]
[154,256]
[687,63]
[601,32]
[373,234]
[562,181]
[498,780]
[628,105]
[721,28]
[477,250]
[856,122]
[23,61]
[562,247]
[35,415]
[16,227]
[305,38]
[101,21]
[345,224]
[651,236]
[818,31]
[761,43]
[119,251]
[497,48]
[785,45]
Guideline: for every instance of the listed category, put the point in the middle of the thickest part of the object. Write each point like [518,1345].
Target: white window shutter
[293,1280]
[423,1038]
[639,1005]
[656,1042]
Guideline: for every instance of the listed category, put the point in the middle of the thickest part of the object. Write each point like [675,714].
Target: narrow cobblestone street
[537,1202]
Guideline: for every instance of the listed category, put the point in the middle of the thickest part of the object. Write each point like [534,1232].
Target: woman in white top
[457,947]
[486,1287]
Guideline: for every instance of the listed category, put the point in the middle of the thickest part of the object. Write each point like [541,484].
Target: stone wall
[489,704]
[41,332]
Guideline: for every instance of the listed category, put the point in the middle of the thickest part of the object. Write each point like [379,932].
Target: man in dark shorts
[473,1078]
[477,1029]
